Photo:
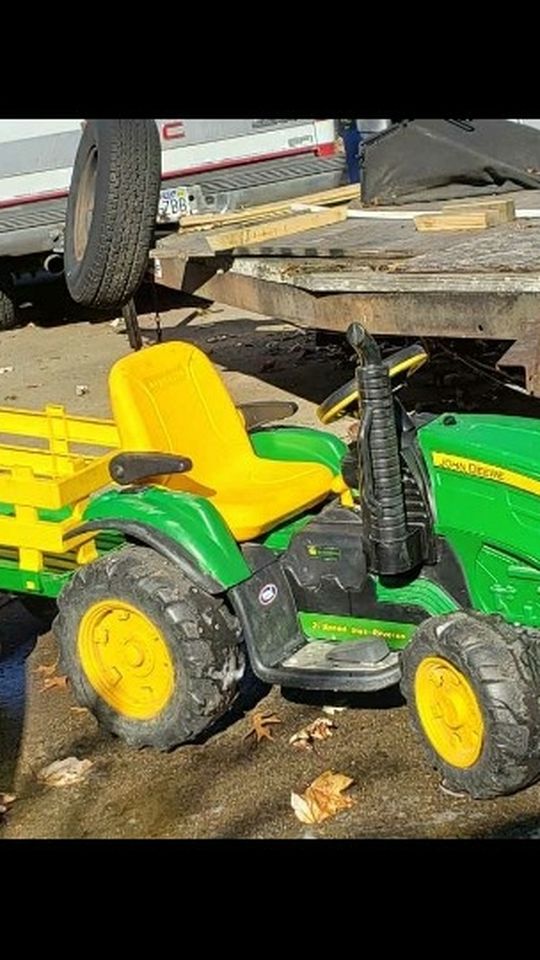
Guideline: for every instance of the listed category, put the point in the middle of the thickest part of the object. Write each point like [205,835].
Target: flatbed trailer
[375,267]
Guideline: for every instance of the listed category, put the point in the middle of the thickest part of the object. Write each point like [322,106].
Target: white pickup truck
[205,165]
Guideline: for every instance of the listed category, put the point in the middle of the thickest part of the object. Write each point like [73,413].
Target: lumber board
[323,197]
[309,276]
[464,220]
[506,208]
[244,235]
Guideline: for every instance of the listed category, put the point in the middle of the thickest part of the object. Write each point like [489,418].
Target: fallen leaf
[451,793]
[261,726]
[47,669]
[332,710]
[50,683]
[61,773]
[320,729]
[323,798]
[6,799]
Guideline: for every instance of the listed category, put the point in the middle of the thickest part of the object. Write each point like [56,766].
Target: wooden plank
[364,280]
[323,197]
[358,213]
[466,220]
[242,236]
[505,208]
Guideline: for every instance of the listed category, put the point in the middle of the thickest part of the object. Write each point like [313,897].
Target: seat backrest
[170,398]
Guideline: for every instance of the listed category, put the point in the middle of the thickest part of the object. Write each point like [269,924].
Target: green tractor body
[422,568]
[485,478]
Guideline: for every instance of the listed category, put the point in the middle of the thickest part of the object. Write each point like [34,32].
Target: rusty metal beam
[490,316]
[524,354]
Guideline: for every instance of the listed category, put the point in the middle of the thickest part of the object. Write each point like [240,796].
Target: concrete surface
[228,786]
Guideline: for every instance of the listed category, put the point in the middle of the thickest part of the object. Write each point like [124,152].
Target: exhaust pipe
[54,264]
[391,546]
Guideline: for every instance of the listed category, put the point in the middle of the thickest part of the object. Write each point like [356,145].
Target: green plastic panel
[46,583]
[485,476]
[420,593]
[280,538]
[300,443]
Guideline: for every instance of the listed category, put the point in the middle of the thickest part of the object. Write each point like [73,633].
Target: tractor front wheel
[155,658]
[472,684]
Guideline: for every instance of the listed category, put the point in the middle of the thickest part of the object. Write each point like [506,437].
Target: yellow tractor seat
[170,399]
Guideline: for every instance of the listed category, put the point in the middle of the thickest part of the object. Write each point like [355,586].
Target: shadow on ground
[19,631]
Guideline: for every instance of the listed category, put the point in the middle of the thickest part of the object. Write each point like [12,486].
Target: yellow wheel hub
[449,711]
[126,659]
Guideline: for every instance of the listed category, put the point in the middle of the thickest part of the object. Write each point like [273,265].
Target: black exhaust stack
[392,547]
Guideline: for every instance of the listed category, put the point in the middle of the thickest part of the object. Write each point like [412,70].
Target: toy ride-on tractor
[199,538]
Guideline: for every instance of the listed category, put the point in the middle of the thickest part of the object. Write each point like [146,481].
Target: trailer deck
[377,268]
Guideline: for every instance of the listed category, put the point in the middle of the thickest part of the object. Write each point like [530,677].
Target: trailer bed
[380,270]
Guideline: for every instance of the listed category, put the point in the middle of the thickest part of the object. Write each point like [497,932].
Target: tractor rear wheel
[472,684]
[154,657]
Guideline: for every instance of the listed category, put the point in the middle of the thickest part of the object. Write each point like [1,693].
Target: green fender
[191,522]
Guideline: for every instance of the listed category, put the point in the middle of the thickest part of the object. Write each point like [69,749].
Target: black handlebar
[363,344]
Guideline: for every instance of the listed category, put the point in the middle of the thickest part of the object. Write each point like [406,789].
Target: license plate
[173,204]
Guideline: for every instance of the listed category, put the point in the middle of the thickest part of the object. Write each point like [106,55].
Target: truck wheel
[111,211]
[155,658]
[8,318]
[472,684]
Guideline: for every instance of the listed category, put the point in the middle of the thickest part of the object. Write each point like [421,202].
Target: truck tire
[111,211]
[471,683]
[8,317]
[155,658]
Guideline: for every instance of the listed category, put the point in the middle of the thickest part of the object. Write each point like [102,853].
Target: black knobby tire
[202,639]
[502,666]
[117,174]
[8,315]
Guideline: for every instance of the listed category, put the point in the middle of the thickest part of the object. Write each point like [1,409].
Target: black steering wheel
[344,400]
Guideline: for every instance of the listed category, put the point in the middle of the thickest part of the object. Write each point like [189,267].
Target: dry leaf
[61,773]
[451,793]
[332,710]
[320,729]
[50,682]
[323,798]
[261,726]
[47,669]
[6,799]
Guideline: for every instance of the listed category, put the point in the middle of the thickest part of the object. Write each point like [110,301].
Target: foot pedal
[372,650]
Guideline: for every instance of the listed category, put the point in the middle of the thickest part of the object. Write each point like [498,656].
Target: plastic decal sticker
[268,594]
[486,471]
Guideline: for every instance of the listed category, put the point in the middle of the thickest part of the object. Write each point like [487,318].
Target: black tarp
[416,161]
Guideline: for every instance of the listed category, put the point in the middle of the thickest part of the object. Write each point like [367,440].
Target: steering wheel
[344,400]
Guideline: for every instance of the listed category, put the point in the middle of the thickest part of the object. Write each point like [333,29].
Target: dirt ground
[228,786]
